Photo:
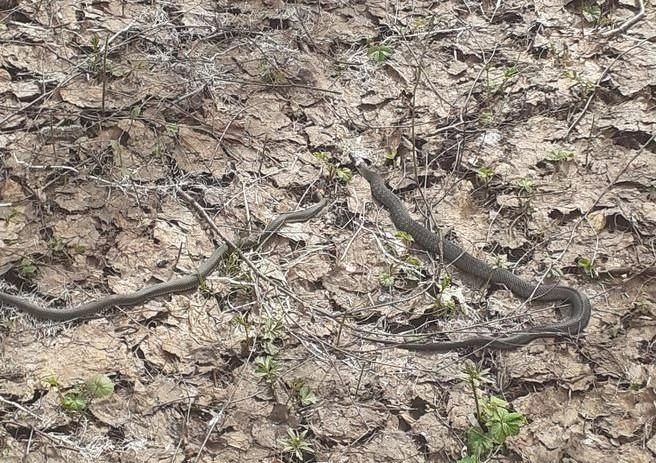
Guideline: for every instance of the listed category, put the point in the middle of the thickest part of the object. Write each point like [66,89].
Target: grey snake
[177,285]
[452,254]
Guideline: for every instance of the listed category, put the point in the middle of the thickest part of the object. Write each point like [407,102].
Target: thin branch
[628,23]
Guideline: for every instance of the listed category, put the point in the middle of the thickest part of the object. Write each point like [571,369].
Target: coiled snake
[178,285]
[452,254]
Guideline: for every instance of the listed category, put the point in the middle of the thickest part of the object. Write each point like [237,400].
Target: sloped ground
[526,127]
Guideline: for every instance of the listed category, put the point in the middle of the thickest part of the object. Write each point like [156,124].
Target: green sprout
[386,278]
[305,395]
[405,237]
[495,422]
[295,443]
[379,53]
[588,266]
[77,399]
[526,185]
[591,14]
[561,155]
[485,174]
[27,268]
[267,368]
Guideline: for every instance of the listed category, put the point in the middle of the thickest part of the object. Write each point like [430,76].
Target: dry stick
[628,23]
[601,77]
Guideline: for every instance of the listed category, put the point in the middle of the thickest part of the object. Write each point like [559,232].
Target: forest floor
[524,130]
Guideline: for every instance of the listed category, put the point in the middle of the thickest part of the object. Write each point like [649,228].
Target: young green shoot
[588,266]
[561,155]
[379,53]
[304,393]
[296,444]
[267,368]
[484,174]
[591,14]
[405,237]
[526,185]
[27,268]
[495,422]
[78,398]
[386,278]
[342,174]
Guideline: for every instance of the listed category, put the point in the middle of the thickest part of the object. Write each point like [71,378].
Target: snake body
[177,285]
[452,254]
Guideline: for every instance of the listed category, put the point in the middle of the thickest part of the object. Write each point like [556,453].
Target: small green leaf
[135,112]
[306,395]
[526,184]
[386,278]
[27,268]
[100,386]
[379,53]
[478,443]
[73,402]
[561,155]
[485,174]
[51,381]
[321,155]
[267,368]
[344,174]
[404,237]
[588,266]
[591,13]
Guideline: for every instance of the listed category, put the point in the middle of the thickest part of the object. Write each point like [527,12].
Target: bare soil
[521,129]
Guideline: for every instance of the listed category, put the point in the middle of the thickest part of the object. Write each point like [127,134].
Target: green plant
[496,80]
[78,398]
[591,13]
[495,422]
[272,330]
[203,287]
[445,282]
[295,443]
[526,185]
[561,155]
[56,245]
[379,53]
[510,72]
[485,174]
[100,386]
[267,368]
[386,278]
[304,394]
[585,86]
[27,268]
[499,261]
[444,305]
[486,117]
[405,237]
[135,112]
[342,174]
[95,60]
[241,320]
[271,74]
[588,266]
[391,153]
[13,212]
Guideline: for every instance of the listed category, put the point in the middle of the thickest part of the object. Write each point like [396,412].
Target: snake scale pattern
[175,286]
[452,254]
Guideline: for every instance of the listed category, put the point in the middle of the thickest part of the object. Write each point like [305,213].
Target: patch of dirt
[522,130]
